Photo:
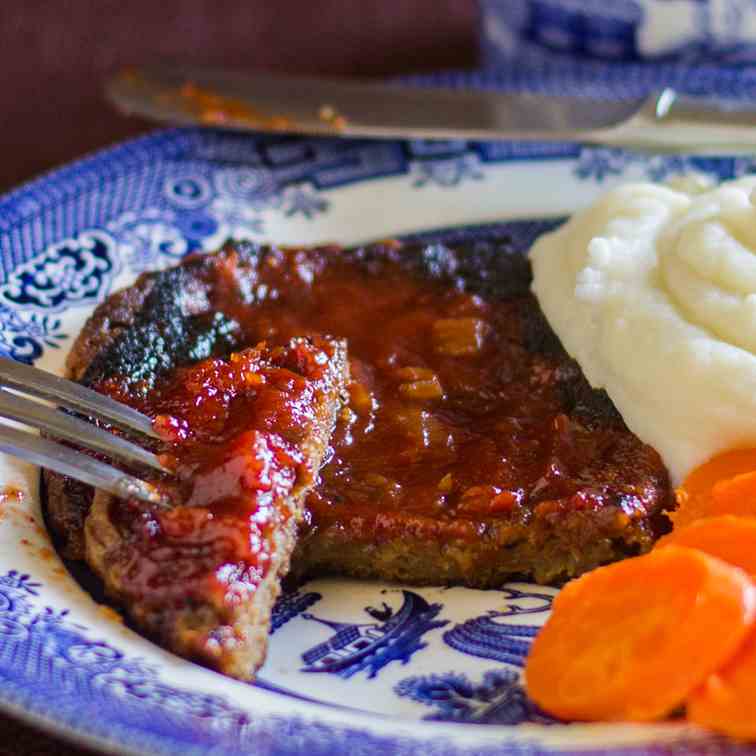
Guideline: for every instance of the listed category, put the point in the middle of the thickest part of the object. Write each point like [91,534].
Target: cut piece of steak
[472,449]
[246,436]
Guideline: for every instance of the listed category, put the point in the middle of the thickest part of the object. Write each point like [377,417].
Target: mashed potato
[653,291]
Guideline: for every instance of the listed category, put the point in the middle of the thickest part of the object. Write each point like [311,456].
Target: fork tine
[72,396]
[74,464]
[69,428]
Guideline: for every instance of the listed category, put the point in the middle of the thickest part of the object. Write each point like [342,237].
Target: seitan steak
[472,449]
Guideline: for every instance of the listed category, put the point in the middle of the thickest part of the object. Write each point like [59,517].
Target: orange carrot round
[729,538]
[736,496]
[631,641]
[726,702]
[695,494]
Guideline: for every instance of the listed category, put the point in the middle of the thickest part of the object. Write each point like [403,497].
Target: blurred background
[54,56]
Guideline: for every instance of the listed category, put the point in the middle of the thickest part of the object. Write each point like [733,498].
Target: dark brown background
[54,55]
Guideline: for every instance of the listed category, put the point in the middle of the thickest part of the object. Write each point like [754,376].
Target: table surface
[55,56]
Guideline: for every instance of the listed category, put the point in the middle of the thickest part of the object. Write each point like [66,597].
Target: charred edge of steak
[590,406]
[171,329]
[486,268]
[164,335]
[67,503]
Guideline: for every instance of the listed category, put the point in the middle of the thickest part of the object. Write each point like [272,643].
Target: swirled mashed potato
[653,291]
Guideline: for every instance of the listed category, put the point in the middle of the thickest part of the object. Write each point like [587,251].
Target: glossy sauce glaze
[233,430]
[454,416]
[465,423]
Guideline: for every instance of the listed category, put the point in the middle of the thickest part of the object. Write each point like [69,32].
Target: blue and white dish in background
[355,668]
[617,49]
[689,31]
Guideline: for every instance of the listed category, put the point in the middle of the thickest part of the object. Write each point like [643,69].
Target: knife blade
[355,108]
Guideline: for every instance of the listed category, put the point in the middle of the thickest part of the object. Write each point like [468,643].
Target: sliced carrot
[736,496]
[729,538]
[726,702]
[695,494]
[632,640]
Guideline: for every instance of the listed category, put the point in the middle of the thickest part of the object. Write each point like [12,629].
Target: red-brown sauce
[219,110]
[231,429]
[450,416]
[443,413]
[450,419]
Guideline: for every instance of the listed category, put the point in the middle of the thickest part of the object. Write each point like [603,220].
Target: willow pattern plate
[354,668]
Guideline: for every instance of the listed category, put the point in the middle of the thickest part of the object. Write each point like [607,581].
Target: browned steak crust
[611,508]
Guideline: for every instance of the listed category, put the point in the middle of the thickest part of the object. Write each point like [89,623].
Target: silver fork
[17,378]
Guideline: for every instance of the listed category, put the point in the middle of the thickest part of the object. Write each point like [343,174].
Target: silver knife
[355,108]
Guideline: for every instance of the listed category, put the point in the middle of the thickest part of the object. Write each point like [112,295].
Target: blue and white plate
[355,669]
